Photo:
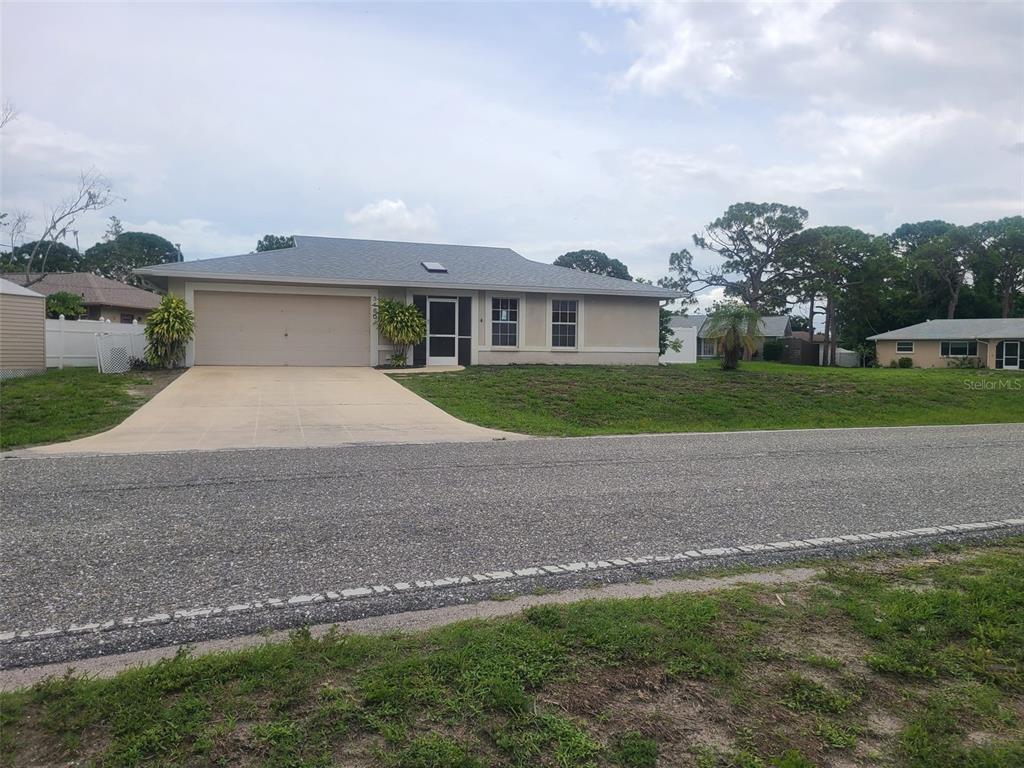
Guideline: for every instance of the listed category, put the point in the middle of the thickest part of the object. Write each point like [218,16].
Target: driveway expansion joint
[528,573]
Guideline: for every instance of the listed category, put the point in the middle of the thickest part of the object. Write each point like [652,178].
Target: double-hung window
[504,322]
[905,347]
[959,349]
[564,313]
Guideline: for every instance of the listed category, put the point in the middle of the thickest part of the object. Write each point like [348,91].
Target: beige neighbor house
[312,304]
[103,298]
[994,343]
[22,331]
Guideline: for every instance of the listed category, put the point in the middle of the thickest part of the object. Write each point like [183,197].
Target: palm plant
[734,326]
[402,325]
[169,329]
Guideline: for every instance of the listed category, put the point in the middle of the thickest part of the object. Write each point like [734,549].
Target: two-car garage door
[281,329]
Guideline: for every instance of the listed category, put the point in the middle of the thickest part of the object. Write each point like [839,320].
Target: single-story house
[771,328]
[994,342]
[312,304]
[22,331]
[103,298]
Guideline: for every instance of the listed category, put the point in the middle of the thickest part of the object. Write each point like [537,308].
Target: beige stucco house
[311,304]
[993,342]
[22,331]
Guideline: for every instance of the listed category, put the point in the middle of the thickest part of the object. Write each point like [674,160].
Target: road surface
[88,539]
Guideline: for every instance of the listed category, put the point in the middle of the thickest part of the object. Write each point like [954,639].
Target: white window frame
[904,351]
[966,342]
[491,298]
[578,324]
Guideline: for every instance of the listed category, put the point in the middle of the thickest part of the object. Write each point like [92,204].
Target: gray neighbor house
[771,328]
[312,304]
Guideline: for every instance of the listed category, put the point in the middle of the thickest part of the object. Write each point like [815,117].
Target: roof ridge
[405,242]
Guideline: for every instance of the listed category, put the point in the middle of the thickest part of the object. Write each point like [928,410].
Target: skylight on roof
[434,266]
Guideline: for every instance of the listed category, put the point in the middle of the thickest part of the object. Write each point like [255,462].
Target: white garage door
[281,329]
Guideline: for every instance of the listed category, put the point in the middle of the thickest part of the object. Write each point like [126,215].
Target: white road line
[355,593]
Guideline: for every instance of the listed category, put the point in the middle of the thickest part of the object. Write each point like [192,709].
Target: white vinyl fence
[108,346]
[687,352]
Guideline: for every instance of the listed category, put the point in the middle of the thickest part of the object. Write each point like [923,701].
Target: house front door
[1011,355]
[442,331]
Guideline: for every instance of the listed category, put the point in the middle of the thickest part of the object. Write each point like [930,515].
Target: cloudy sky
[545,128]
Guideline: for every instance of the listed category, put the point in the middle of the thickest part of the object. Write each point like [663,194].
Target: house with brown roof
[103,298]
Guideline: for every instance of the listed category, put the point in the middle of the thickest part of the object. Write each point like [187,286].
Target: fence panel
[71,343]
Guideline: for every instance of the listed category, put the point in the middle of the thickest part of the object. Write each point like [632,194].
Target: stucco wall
[567,358]
[611,330]
[113,314]
[613,321]
[927,354]
[22,335]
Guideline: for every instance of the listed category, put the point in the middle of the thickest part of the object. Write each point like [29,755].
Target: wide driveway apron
[213,407]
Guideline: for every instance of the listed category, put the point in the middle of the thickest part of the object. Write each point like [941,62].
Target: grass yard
[64,404]
[606,400]
[888,661]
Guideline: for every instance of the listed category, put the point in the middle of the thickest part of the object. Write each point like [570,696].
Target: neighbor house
[770,328]
[312,304]
[992,342]
[103,298]
[22,331]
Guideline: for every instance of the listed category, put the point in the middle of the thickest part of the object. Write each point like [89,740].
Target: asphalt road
[90,538]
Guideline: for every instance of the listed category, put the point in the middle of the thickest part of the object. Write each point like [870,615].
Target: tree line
[857,284]
[114,256]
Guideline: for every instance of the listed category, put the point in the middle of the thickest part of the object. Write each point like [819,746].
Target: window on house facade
[504,322]
[127,318]
[959,349]
[905,347]
[563,322]
[708,348]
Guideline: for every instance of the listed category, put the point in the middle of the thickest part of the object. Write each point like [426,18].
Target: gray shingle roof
[380,262]
[980,328]
[771,325]
[688,321]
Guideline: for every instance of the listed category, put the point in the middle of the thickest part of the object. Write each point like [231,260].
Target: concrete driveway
[216,407]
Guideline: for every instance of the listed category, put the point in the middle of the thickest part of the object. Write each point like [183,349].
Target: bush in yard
[402,325]
[734,326]
[169,328]
[773,350]
[64,303]
[905,362]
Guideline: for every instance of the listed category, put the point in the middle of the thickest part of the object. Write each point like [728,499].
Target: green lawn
[605,400]
[64,404]
[888,661]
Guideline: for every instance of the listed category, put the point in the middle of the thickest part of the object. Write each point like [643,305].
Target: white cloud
[707,300]
[895,54]
[865,114]
[898,43]
[591,44]
[198,238]
[392,220]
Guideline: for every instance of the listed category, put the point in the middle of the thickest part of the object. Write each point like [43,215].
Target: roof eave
[661,294]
